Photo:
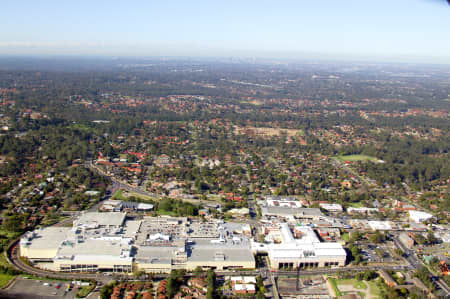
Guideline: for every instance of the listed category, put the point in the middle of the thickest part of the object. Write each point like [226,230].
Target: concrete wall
[154,267]
[220,265]
[91,264]
[307,263]
[31,253]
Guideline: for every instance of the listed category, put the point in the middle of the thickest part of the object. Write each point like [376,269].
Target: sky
[416,30]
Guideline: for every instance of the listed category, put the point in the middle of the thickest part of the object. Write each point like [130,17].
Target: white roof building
[92,220]
[306,251]
[144,206]
[361,210]
[244,287]
[284,202]
[159,236]
[380,225]
[241,211]
[444,236]
[249,279]
[419,216]
[334,207]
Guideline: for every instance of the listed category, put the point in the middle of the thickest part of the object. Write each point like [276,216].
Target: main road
[117,183]
[416,263]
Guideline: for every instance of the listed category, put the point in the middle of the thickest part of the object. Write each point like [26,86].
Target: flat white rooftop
[94,247]
[308,246]
[215,254]
[46,238]
[380,225]
[96,219]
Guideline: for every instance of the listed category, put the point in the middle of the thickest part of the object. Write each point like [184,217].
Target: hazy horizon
[402,30]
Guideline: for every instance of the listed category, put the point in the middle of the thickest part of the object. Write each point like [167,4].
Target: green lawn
[84,291]
[8,234]
[215,197]
[164,212]
[4,279]
[334,285]
[345,237]
[120,196]
[3,261]
[374,288]
[356,283]
[252,103]
[356,204]
[360,285]
[80,127]
[355,158]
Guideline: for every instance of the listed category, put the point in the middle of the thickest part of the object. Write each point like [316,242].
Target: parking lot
[27,288]
[369,253]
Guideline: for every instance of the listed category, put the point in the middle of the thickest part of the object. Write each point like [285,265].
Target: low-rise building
[387,278]
[380,225]
[361,210]
[331,207]
[292,212]
[306,251]
[419,216]
[244,288]
[406,240]
[93,220]
[118,205]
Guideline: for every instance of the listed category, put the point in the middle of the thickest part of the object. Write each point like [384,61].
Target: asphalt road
[121,185]
[416,263]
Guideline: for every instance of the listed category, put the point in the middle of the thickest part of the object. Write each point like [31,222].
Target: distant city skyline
[401,30]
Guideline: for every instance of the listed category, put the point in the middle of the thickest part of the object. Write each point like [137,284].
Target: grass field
[356,204]
[345,236]
[8,234]
[80,127]
[355,283]
[84,291]
[374,288]
[3,261]
[334,285]
[254,103]
[119,195]
[4,279]
[355,158]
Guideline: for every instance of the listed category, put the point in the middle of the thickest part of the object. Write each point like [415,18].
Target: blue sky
[395,29]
